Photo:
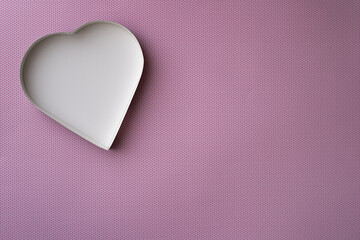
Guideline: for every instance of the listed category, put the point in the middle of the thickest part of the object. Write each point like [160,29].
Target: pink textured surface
[245,125]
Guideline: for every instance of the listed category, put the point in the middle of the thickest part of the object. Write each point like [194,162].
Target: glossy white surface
[85,80]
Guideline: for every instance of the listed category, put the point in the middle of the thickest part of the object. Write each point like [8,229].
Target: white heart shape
[84,80]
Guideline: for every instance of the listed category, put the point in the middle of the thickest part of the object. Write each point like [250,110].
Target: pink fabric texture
[245,125]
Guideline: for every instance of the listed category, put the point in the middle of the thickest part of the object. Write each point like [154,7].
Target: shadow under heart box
[85,80]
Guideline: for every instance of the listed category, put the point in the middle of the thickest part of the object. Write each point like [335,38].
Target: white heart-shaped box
[85,80]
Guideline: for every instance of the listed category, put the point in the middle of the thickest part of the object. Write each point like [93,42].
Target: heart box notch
[84,80]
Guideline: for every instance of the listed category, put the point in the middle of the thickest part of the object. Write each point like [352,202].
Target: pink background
[245,125]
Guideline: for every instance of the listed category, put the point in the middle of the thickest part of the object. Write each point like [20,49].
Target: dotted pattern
[245,125]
